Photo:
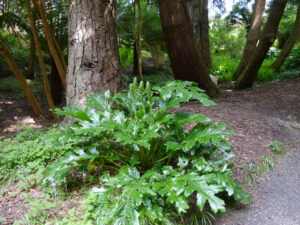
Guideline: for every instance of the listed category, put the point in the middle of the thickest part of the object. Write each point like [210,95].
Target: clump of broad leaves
[158,162]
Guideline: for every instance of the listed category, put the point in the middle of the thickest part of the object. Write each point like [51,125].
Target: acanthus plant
[158,163]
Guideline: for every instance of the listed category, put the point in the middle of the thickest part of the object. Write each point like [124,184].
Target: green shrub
[126,56]
[293,60]
[157,163]
[30,152]
[223,68]
[266,74]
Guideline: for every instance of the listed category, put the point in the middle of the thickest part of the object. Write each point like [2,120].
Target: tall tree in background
[290,42]
[268,37]
[186,58]
[94,63]
[253,36]
[198,12]
[13,66]
[31,57]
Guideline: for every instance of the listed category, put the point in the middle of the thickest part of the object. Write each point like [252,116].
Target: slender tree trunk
[289,44]
[186,58]
[135,60]
[51,44]
[40,57]
[31,58]
[13,66]
[198,12]
[268,37]
[253,36]
[94,62]
[138,40]
[56,87]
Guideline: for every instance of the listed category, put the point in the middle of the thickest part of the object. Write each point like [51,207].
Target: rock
[214,79]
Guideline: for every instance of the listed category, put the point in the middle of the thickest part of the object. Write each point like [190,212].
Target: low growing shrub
[151,161]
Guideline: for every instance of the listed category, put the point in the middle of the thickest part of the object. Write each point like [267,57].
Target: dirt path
[257,116]
[276,199]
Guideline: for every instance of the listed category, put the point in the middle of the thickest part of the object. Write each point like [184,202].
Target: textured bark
[289,44]
[13,66]
[40,57]
[253,36]
[198,12]
[249,75]
[31,58]
[94,62]
[186,59]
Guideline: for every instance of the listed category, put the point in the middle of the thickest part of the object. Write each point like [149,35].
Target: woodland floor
[258,116]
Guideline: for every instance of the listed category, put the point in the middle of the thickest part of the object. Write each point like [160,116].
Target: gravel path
[276,200]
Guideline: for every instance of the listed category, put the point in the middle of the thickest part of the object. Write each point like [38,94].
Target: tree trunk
[50,41]
[139,53]
[40,57]
[198,12]
[253,36]
[138,40]
[13,66]
[94,62]
[157,54]
[31,58]
[249,75]
[56,87]
[186,59]
[135,60]
[289,44]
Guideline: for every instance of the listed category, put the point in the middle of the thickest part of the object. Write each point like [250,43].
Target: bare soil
[257,116]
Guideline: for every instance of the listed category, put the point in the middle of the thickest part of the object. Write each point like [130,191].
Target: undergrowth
[151,165]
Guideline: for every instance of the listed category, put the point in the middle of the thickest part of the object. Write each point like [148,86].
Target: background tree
[30,96]
[253,36]
[290,42]
[94,63]
[198,12]
[186,58]
[268,37]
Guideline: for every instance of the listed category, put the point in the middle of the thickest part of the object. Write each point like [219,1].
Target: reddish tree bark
[186,59]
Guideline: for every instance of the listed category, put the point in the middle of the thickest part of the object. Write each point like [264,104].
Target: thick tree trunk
[253,36]
[268,37]
[13,66]
[198,12]
[94,62]
[186,59]
[289,44]
[31,58]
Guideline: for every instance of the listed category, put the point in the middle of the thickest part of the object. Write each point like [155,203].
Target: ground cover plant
[151,162]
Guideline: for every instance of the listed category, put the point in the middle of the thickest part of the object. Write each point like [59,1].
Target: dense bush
[153,162]
[293,60]
[223,67]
